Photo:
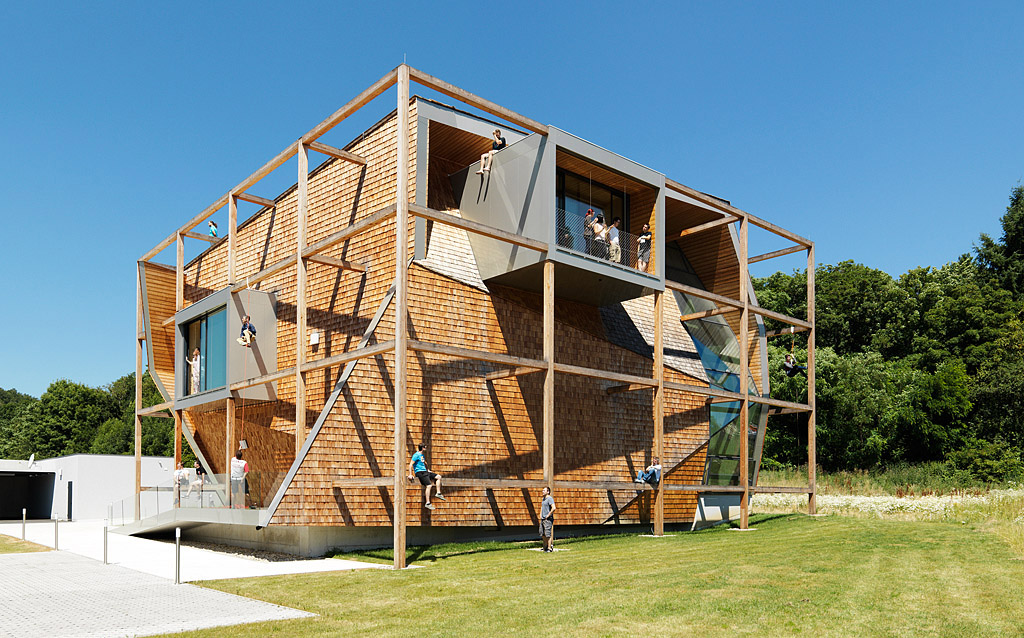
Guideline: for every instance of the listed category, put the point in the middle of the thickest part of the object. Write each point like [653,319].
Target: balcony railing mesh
[576,232]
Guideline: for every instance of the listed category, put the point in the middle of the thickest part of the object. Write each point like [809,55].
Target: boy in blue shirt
[418,467]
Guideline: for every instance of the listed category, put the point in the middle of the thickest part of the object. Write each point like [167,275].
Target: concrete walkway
[157,558]
[60,594]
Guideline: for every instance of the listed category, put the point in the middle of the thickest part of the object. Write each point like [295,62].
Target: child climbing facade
[428,479]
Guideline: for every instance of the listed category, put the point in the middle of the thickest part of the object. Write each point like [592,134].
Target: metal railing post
[177,555]
[55,538]
[23,514]
[105,525]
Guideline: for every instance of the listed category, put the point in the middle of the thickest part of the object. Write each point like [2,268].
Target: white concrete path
[157,558]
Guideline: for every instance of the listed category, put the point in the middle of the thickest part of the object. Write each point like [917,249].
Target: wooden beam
[628,387]
[706,226]
[604,375]
[493,484]
[351,355]
[703,294]
[195,221]
[350,231]
[659,406]
[351,106]
[744,347]
[337,152]
[725,489]
[781,490]
[139,328]
[476,355]
[486,106]
[367,481]
[732,210]
[549,374]
[401,381]
[179,276]
[232,237]
[153,409]
[812,397]
[200,237]
[338,263]
[736,396]
[778,316]
[302,206]
[255,199]
[602,485]
[229,449]
[706,313]
[511,372]
[785,331]
[177,444]
[167,322]
[269,271]
[776,253]
[477,228]
[777,411]
[260,380]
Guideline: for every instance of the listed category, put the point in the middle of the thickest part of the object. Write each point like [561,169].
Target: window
[209,334]
[574,195]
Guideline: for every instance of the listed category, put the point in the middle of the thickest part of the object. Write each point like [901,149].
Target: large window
[209,334]
[575,194]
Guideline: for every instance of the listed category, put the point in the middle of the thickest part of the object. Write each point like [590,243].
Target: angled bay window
[207,334]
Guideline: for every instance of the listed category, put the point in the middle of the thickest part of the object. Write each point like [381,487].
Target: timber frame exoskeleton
[400,213]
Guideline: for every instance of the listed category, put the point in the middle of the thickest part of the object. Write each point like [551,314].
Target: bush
[986,461]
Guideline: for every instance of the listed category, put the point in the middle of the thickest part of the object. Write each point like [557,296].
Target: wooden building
[527,352]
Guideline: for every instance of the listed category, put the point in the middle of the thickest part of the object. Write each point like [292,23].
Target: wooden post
[139,327]
[179,275]
[812,452]
[232,236]
[659,409]
[744,374]
[177,437]
[401,312]
[229,448]
[300,300]
[549,374]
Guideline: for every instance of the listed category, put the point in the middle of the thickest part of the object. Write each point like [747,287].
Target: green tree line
[926,367]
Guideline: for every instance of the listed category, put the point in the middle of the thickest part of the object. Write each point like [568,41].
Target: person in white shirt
[239,470]
[651,475]
[615,252]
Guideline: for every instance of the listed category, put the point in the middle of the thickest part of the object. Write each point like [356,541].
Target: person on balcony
[614,250]
[428,479]
[600,238]
[652,475]
[248,334]
[239,471]
[488,157]
[197,482]
[194,370]
[180,479]
[643,256]
[588,231]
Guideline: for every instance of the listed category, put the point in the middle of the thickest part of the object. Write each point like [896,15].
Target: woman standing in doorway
[194,371]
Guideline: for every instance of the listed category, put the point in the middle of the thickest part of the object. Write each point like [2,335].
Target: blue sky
[889,133]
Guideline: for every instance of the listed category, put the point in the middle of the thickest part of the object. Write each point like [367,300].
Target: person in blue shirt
[418,468]
[213,228]
[248,334]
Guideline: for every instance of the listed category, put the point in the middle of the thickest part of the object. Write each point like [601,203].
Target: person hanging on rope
[428,479]
[652,475]
[488,157]
[248,334]
[239,470]
[791,368]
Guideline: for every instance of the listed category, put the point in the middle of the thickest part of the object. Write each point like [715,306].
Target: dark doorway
[32,491]
[70,499]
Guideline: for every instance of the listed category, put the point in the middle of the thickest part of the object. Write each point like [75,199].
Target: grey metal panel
[518,196]
[242,363]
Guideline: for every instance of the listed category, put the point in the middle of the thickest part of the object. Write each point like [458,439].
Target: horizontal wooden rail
[776,253]
[255,199]
[476,355]
[707,313]
[209,238]
[153,409]
[260,380]
[338,263]
[736,396]
[604,375]
[786,331]
[484,105]
[492,484]
[728,489]
[269,271]
[778,316]
[349,232]
[351,355]
[476,227]
[337,152]
[168,321]
[700,293]
[781,490]
[706,226]
[628,387]
[368,481]
[610,486]
[511,372]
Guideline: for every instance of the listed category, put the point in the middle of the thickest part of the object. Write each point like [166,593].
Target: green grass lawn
[830,576]
[12,545]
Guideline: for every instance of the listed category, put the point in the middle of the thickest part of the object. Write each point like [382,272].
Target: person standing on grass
[547,519]
[428,479]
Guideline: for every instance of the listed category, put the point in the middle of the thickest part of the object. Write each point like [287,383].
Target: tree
[1003,261]
[67,418]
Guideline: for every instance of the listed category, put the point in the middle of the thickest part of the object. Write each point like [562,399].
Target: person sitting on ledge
[248,334]
[791,368]
[488,157]
[652,475]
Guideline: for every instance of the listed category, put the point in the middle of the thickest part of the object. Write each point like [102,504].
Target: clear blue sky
[889,133]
